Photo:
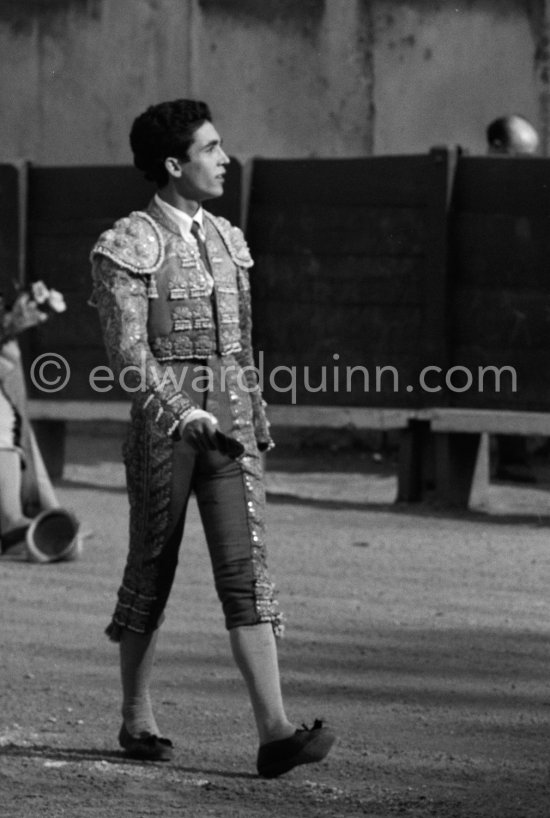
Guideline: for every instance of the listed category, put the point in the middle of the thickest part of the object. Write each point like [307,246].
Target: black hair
[164,130]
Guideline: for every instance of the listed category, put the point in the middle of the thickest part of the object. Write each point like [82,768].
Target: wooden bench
[50,417]
[439,448]
[456,441]
[340,417]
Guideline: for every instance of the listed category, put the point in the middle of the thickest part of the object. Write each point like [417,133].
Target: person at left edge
[27,496]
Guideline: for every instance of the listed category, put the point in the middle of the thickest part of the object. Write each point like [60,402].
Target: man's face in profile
[202,177]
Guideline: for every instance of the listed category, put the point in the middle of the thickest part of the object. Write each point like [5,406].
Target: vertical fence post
[416,467]
[437,339]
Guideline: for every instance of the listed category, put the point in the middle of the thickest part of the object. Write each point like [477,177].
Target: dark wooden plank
[337,279]
[81,362]
[84,228]
[77,327]
[436,339]
[110,192]
[511,318]
[502,250]
[329,230]
[63,263]
[371,277]
[500,245]
[321,328]
[84,192]
[381,180]
[512,185]
[532,381]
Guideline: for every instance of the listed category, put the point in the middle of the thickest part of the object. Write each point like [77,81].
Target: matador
[171,285]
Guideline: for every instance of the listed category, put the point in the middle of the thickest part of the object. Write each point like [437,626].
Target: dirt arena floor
[421,636]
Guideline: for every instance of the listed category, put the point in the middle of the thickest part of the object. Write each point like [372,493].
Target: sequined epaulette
[134,243]
[234,241]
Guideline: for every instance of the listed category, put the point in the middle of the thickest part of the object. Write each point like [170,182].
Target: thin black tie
[196,232]
[201,244]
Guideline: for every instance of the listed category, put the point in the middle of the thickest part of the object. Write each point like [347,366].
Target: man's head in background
[512,136]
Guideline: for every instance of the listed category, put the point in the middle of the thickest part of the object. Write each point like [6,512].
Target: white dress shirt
[184,222]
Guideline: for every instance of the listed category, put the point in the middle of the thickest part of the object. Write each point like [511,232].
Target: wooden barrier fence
[400,262]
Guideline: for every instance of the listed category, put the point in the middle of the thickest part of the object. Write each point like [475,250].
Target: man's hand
[200,432]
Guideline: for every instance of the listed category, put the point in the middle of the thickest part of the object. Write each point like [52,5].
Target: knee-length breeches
[161,475]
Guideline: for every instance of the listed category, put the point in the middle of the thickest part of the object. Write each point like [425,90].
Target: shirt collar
[182,220]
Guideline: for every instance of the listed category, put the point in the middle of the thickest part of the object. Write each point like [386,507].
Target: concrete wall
[285,78]
[444,70]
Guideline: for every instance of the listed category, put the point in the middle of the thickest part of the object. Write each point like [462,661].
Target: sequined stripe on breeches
[148,460]
[229,400]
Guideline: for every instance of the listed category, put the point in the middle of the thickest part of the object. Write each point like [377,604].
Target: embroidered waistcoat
[157,304]
[188,317]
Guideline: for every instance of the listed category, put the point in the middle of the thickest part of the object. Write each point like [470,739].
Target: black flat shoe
[306,746]
[146,746]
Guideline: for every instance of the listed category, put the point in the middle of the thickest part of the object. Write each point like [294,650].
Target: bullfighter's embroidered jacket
[159,307]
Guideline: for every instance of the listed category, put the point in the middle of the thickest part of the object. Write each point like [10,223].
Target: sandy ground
[421,636]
